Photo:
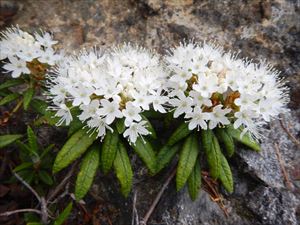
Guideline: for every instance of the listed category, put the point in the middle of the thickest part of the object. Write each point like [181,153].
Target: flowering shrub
[27,58]
[103,97]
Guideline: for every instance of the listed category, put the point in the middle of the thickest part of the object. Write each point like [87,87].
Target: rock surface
[259,29]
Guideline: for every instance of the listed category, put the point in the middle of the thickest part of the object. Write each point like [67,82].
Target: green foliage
[212,152]
[180,133]
[87,172]
[187,160]
[165,155]
[226,140]
[27,96]
[11,83]
[36,162]
[123,169]
[245,140]
[77,144]
[109,150]
[145,151]
[64,215]
[120,125]
[8,139]
[226,175]
[9,98]
[194,181]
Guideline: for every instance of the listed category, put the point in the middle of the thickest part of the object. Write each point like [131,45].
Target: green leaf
[194,181]
[9,98]
[74,126]
[22,166]
[109,150]
[120,124]
[64,215]
[245,140]
[145,151]
[150,127]
[212,151]
[226,175]
[8,139]
[47,150]
[39,106]
[87,172]
[5,92]
[77,144]
[10,83]
[123,169]
[165,155]
[226,140]
[28,94]
[180,133]
[32,140]
[187,160]
[45,177]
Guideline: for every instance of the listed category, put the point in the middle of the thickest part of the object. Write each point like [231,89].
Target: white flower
[218,116]
[45,39]
[198,119]
[81,95]
[23,47]
[110,110]
[90,110]
[98,125]
[183,104]
[227,88]
[135,130]
[131,113]
[17,67]
[65,115]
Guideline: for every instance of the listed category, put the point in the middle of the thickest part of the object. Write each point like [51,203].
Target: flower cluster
[211,87]
[25,51]
[106,87]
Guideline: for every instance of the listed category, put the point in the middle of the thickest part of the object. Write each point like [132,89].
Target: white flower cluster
[107,87]
[211,87]
[21,47]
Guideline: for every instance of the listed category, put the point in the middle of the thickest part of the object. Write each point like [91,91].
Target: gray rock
[274,206]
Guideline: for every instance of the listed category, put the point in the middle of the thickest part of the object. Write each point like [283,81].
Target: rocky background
[267,184]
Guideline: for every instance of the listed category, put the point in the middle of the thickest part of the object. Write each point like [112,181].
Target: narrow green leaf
[32,140]
[77,144]
[34,223]
[123,169]
[28,94]
[39,106]
[8,139]
[194,182]
[87,172]
[187,160]
[10,83]
[22,166]
[120,124]
[246,139]
[212,151]
[150,127]
[226,175]
[145,151]
[9,98]
[180,133]
[45,177]
[47,150]
[5,92]
[74,126]
[109,150]
[165,155]
[64,215]
[226,140]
